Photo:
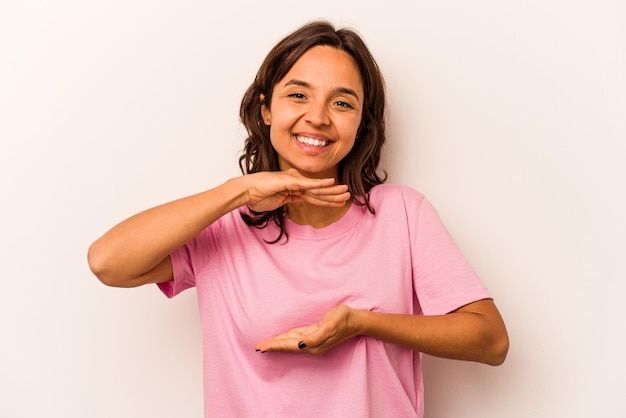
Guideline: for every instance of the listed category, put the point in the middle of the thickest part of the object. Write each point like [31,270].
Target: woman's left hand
[334,328]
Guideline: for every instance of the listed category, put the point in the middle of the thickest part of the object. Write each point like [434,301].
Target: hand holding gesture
[267,191]
[334,328]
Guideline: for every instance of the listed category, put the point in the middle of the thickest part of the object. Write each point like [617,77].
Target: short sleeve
[443,278]
[190,259]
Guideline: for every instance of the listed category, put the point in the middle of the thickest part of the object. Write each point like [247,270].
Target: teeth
[312,141]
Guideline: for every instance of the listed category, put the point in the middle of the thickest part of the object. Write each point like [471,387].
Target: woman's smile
[311,141]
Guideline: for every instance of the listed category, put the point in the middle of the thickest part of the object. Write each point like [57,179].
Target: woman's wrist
[235,192]
[357,320]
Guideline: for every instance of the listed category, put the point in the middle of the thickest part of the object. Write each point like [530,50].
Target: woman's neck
[304,213]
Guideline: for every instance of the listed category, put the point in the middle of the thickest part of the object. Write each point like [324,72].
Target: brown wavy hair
[359,169]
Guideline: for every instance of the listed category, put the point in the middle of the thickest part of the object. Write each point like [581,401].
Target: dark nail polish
[301,345]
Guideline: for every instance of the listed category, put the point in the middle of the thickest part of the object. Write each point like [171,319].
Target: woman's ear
[265,111]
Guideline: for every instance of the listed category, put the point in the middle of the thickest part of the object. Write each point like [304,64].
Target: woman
[310,253]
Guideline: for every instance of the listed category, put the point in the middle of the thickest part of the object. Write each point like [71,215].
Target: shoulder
[394,194]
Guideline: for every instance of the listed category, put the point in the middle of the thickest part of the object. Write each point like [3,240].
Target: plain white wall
[509,116]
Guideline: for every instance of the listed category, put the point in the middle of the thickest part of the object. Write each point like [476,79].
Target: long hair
[359,169]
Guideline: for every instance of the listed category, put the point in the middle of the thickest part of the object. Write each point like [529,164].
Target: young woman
[310,253]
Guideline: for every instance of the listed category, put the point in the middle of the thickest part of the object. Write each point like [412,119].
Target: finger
[337,193]
[327,200]
[287,341]
[305,183]
[335,189]
[314,339]
[278,344]
[330,197]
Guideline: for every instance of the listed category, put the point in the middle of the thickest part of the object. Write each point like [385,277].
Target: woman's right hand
[267,191]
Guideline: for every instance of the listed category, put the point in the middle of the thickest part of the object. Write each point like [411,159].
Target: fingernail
[301,345]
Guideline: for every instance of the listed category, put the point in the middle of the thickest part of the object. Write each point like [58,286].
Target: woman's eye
[297,95]
[344,104]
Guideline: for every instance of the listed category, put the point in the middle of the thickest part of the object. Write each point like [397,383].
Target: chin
[313,173]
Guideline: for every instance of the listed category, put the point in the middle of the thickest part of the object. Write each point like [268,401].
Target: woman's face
[315,112]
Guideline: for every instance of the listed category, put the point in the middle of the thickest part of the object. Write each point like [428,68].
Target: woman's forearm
[125,254]
[474,332]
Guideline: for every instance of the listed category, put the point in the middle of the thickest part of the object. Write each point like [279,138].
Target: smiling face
[315,112]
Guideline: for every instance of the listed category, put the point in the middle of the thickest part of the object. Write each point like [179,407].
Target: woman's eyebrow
[345,90]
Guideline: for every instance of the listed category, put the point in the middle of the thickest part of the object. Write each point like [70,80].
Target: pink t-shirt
[400,260]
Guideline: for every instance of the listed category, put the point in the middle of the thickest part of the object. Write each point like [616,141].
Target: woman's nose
[317,114]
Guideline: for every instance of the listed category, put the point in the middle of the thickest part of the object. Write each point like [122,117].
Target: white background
[509,116]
